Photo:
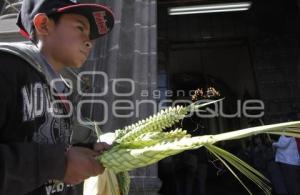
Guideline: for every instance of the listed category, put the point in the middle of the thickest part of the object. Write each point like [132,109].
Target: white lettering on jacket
[51,189]
[36,101]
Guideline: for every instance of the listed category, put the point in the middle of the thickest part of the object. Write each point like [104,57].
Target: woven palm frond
[145,143]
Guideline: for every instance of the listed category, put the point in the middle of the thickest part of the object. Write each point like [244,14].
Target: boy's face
[69,42]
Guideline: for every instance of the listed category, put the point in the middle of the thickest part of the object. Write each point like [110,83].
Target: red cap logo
[101,22]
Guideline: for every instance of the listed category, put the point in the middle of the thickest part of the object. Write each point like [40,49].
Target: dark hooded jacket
[34,126]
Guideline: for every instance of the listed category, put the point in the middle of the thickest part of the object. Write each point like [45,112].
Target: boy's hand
[81,164]
[100,147]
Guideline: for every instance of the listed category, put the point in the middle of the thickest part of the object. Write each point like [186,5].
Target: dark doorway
[245,55]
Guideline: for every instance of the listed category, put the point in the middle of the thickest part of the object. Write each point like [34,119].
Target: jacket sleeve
[23,166]
[283,142]
[26,166]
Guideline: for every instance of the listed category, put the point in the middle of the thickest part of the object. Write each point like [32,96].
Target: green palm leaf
[144,143]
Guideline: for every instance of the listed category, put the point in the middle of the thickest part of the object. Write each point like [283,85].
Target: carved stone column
[11,7]
[145,181]
[9,32]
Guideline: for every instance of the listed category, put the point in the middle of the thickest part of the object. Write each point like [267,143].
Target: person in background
[287,156]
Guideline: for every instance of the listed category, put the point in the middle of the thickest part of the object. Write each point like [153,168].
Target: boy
[35,152]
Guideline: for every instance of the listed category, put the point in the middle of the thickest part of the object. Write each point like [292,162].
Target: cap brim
[101,18]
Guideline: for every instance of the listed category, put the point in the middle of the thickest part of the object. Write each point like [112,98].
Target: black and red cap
[100,17]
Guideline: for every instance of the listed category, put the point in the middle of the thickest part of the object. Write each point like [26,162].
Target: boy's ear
[42,24]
